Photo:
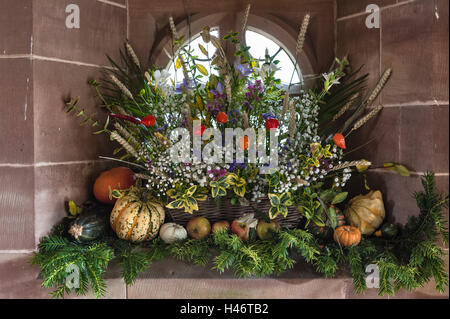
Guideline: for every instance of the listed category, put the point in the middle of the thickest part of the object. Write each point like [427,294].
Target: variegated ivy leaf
[191,190]
[191,205]
[218,192]
[219,187]
[239,190]
[172,193]
[274,200]
[283,211]
[273,212]
[285,199]
[201,197]
[178,203]
[232,178]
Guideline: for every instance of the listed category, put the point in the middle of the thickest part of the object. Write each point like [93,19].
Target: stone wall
[47,157]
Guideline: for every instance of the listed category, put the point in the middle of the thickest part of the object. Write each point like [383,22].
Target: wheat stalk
[133,55]
[143,176]
[302,34]
[285,103]
[245,120]
[115,136]
[124,132]
[379,87]
[366,118]
[122,87]
[120,110]
[346,106]
[173,28]
[292,119]
[245,20]
[228,88]
[350,164]
[183,66]
[188,118]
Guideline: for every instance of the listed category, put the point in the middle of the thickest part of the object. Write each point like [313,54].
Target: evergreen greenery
[406,262]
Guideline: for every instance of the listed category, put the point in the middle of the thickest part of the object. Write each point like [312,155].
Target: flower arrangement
[235,132]
[237,96]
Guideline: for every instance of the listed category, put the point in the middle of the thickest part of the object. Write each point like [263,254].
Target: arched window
[258,42]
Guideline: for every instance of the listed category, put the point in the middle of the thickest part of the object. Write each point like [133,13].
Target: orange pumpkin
[122,177]
[347,235]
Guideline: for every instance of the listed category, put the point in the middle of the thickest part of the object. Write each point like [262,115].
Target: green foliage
[55,257]
[407,261]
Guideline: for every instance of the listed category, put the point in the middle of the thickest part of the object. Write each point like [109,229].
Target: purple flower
[243,70]
[268,116]
[219,88]
[186,84]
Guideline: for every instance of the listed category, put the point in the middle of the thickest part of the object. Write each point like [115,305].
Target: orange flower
[244,142]
[222,117]
[339,140]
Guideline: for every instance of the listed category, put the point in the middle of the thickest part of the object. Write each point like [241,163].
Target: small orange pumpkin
[347,235]
[122,177]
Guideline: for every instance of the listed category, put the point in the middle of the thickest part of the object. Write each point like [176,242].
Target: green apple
[265,230]
[219,226]
[198,227]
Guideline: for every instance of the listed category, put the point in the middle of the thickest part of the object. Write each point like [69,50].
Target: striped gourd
[135,218]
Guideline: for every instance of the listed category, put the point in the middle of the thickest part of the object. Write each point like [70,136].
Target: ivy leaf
[178,203]
[273,212]
[172,193]
[274,200]
[239,190]
[339,198]
[191,190]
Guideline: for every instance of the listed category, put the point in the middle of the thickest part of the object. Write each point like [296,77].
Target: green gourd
[88,227]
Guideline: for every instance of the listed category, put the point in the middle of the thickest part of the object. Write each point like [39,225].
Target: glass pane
[177,75]
[258,44]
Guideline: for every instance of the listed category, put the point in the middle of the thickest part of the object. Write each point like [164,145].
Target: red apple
[265,230]
[241,226]
[219,226]
[198,227]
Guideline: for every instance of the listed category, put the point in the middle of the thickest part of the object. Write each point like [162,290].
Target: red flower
[339,140]
[222,117]
[272,123]
[199,130]
[148,121]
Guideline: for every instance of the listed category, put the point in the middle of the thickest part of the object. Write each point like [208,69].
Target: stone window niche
[48,158]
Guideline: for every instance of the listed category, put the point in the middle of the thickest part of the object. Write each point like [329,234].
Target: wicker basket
[225,211]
